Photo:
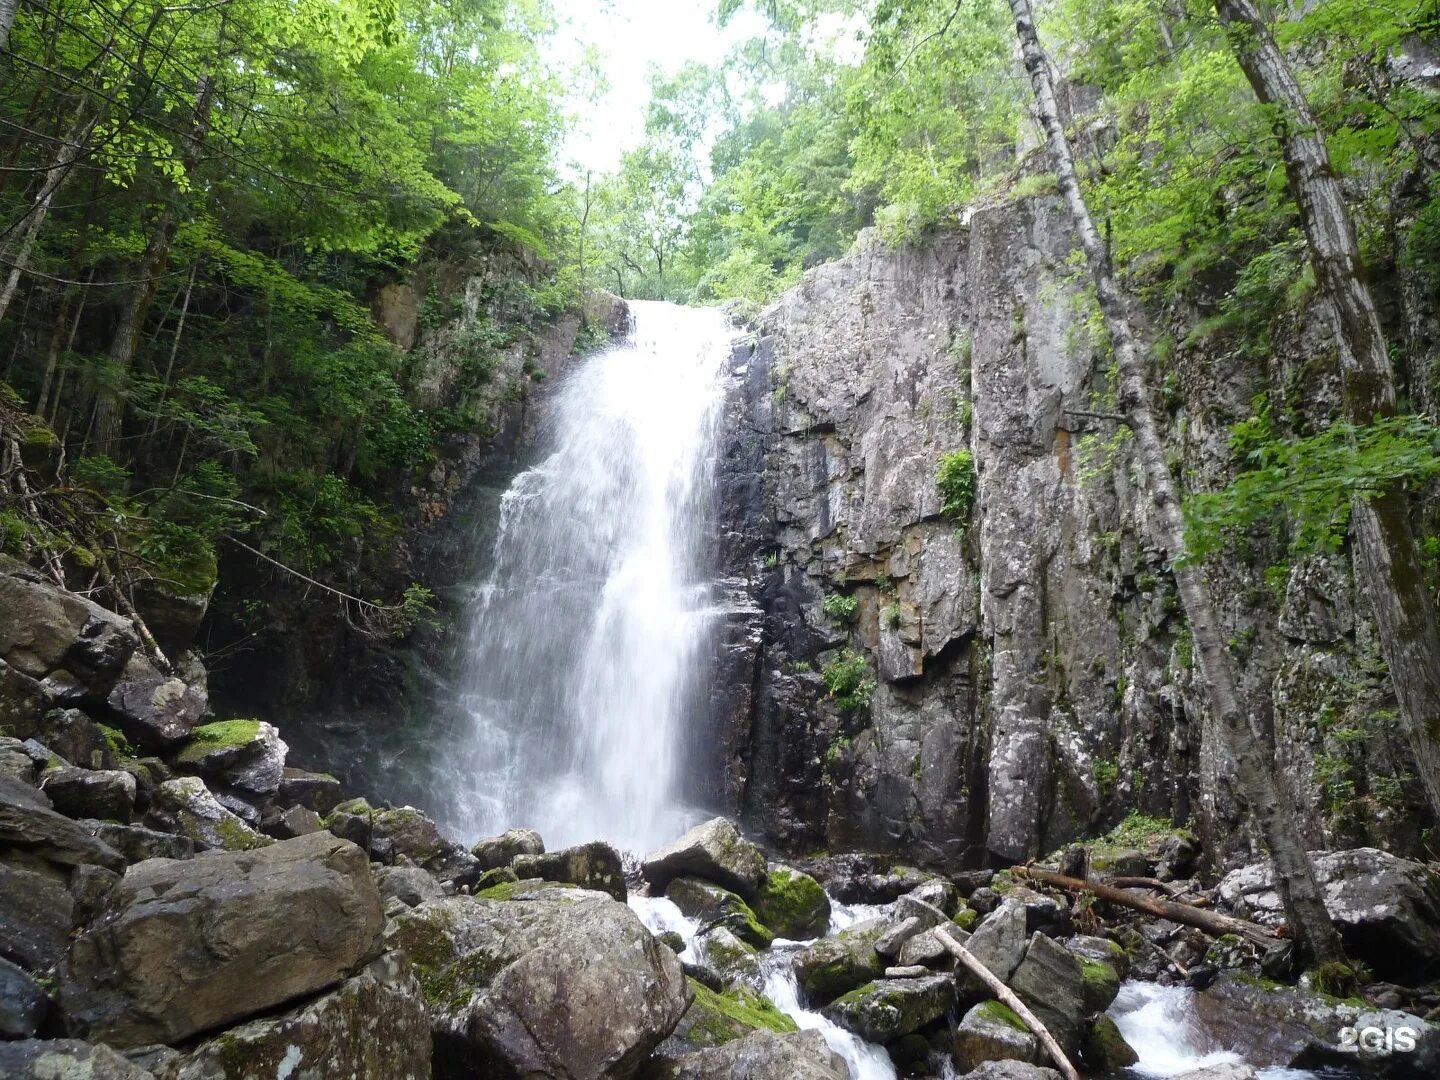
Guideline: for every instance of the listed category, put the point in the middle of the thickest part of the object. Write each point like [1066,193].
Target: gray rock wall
[1032,666]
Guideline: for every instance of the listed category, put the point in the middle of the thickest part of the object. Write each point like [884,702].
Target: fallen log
[1212,922]
[1007,996]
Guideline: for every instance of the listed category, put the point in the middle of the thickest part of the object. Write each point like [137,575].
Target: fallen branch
[1179,967]
[1007,996]
[1130,882]
[1212,922]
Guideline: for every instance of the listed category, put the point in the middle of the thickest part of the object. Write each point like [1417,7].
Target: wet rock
[1228,1071]
[15,762]
[1042,912]
[245,809]
[927,949]
[834,965]
[155,710]
[247,756]
[66,1059]
[792,904]
[568,982]
[137,843]
[714,851]
[801,1055]
[73,736]
[1100,950]
[718,1017]
[90,888]
[22,702]
[1100,983]
[937,893]
[595,865]
[990,1031]
[501,875]
[189,946]
[884,1010]
[29,825]
[314,791]
[716,906]
[291,822]
[36,916]
[856,878]
[186,806]
[172,612]
[999,943]
[22,1003]
[408,884]
[897,934]
[1271,1024]
[373,1026]
[1387,908]
[1051,981]
[735,960]
[107,794]
[494,852]
[72,647]
[1105,1049]
[1011,1070]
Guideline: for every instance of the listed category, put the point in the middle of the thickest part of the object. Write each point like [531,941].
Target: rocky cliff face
[1031,665]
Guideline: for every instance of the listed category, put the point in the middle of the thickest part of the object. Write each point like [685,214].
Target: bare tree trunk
[174,351]
[7,20]
[1385,553]
[110,409]
[1244,736]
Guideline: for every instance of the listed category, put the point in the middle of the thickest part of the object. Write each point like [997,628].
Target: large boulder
[73,648]
[373,1026]
[763,1055]
[990,1031]
[22,1003]
[72,735]
[107,794]
[713,906]
[1051,981]
[154,709]
[855,878]
[28,824]
[887,1009]
[137,843]
[313,790]
[714,851]
[834,965]
[595,865]
[1387,908]
[494,852]
[565,982]
[189,946]
[246,756]
[36,917]
[187,807]
[66,1059]
[792,904]
[718,1017]
[999,943]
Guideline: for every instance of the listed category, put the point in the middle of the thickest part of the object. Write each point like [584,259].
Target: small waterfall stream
[579,664]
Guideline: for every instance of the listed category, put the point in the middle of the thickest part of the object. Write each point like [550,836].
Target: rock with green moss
[373,1025]
[884,1010]
[1101,951]
[792,904]
[736,961]
[714,1019]
[494,852]
[194,945]
[715,906]
[1105,1049]
[566,982]
[835,965]
[187,807]
[798,1055]
[514,888]
[1099,985]
[966,918]
[990,1031]
[714,851]
[1051,981]
[247,756]
[78,739]
[66,1059]
[596,865]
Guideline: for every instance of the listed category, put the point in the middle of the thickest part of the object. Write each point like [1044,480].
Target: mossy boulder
[1052,982]
[792,904]
[834,965]
[714,851]
[990,1031]
[886,1009]
[715,906]
[715,1019]
[1099,985]
[1105,1049]
[596,865]
[736,961]
[247,756]
[792,1055]
[186,806]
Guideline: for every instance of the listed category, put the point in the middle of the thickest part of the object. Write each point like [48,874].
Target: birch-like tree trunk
[1243,733]
[1385,554]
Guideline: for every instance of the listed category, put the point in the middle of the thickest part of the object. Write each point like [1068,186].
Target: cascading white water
[583,640]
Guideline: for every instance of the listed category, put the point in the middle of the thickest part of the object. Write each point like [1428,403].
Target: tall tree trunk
[1244,735]
[1385,554]
[110,409]
[7,20]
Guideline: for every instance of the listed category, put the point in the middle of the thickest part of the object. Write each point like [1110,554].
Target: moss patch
[720,1018]
[792,904]
[966,918]
[1001,1013]
[222,735]
[515,890]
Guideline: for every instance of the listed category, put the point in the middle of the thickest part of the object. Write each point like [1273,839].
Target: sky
[631,35]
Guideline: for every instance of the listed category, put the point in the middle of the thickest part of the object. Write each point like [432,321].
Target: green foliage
[840,607]
[848,679]
[955,479]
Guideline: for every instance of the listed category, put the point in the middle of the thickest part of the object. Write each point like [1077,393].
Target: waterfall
[578,670]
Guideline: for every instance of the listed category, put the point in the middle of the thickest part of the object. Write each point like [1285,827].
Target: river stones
[565,982]
[999,943]
[373,1025]
[990,1031]
[834,965]
[887,1009]
[495,852]
[715,851]
[1105,1049]
[313,790]
[717,1017]
[792,904]
[715,906]
[595,865]
[22,1003]
[189,946]
[800,1055]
